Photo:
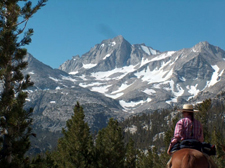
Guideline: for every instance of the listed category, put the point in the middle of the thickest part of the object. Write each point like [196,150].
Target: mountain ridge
[191,63]
[119,79]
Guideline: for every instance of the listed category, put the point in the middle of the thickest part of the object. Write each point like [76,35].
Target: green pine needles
[15,120]
[75,148]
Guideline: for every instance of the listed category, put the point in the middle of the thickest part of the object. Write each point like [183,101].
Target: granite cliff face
[55,93]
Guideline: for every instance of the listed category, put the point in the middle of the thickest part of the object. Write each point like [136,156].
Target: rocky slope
[117,79]
[140,77]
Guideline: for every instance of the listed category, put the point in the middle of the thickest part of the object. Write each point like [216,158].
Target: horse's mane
[188,160]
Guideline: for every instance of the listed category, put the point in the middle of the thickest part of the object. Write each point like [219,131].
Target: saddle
[204,147]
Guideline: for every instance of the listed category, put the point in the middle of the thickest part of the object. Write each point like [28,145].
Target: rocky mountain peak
[204,45]
[114,42]
[118,38]
[211,53]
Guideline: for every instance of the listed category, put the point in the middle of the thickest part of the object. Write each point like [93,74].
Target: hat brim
[187,110]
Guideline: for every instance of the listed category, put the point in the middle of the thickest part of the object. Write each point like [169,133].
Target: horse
[190,158]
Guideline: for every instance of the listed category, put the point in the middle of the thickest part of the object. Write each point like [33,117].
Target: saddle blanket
[204,147]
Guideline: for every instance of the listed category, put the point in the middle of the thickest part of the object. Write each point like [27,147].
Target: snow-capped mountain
[117,79]
[140,77]
[110,54]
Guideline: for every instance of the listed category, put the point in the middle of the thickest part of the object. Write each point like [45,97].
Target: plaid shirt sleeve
[181,126]
[177,133]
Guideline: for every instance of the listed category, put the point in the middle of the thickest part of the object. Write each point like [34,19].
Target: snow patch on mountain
[89,66]
[105,75]
[112,43]
[68,78]
[101,89]
[144,61]
[106,56]
[193,90]
[182,79]
[122,87]
[149,91]
[90,84]
[162,56]
[215,76]
[157,75]
[73,72]
[179,91]
[83,77]
[194,50]
[114,96]
[54,79]
[131,104]
[146,49]
[31,73]
[102,45]
[154,52]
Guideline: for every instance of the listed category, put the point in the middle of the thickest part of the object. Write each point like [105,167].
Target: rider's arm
[177,133]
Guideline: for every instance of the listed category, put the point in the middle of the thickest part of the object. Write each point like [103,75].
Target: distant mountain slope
[140,77]
[55,93]
[53,97]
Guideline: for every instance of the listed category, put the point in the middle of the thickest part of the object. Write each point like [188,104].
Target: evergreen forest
[116,146]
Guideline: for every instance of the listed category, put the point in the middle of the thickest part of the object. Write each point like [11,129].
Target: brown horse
[190,158]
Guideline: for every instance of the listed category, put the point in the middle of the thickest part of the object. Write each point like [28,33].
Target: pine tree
[145,159]
[156,160]
[15,120]
[130,156]
[75,148]
[41,161]
[204,117]
[218,141]
[110,146]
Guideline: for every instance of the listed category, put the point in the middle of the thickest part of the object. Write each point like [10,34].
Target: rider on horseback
[187,127]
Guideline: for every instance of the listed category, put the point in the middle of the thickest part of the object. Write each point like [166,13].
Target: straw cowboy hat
[188,108]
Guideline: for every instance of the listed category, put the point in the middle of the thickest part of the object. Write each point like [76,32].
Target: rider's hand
[168,151]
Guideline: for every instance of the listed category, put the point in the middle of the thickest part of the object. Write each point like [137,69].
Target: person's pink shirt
[183,131]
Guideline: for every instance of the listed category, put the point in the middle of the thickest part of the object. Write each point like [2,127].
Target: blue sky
[63,29]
